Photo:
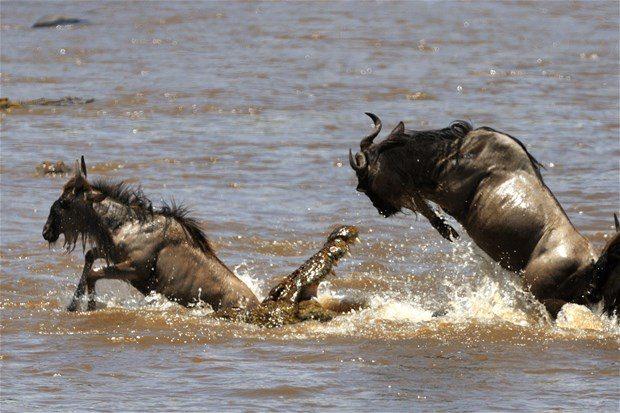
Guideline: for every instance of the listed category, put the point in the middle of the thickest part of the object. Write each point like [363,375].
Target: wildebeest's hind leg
[123,271]
[89,259]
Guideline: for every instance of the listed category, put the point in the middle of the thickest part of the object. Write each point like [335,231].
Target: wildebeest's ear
[398,130]
[95,196]
[83,167]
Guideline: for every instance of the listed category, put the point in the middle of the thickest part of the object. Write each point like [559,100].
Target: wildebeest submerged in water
[165,251]
[491,184]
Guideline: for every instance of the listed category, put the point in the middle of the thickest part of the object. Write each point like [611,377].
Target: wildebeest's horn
[83,167]
[616,222]
[367,141]
[356,163]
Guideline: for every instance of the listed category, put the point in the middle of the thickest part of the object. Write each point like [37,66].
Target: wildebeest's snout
[51,229]
[49,234]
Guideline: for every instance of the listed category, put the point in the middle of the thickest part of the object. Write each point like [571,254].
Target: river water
[245,111]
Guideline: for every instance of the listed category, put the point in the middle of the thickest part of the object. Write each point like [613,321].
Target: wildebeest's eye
[63,203]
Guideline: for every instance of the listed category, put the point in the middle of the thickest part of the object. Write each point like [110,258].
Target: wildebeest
[164,250]
[491,184]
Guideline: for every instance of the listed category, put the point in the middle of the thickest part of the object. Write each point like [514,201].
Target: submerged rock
[54,20]
[64,101]
[7,104]
[49,168]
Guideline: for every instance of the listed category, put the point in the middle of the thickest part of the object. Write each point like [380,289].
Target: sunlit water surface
[246,111]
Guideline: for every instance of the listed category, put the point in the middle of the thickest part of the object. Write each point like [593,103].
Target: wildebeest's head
[406,162]
[373,179]
[70,214]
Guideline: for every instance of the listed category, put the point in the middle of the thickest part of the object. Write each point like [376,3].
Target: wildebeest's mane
[441,138]
[191,226]
[133,197]
[128,195]
[436,137]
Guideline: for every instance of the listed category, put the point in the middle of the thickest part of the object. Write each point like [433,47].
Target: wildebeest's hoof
[72,307]
[49,168]
[54,20]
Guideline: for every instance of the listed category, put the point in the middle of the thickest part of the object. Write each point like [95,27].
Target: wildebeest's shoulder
[501,149]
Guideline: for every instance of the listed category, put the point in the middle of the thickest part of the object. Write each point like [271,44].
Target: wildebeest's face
[375,176]
[69,213]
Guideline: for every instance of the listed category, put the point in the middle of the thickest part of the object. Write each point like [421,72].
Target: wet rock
[6,104]
[54,20]
[50,168]
[64,101]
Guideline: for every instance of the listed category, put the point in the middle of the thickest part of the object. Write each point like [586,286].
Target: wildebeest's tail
[606,274]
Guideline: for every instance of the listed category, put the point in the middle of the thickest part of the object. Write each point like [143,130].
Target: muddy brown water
[246,111]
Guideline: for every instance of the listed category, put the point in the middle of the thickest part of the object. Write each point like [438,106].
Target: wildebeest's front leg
[123,271]
[420,205]
[89,259]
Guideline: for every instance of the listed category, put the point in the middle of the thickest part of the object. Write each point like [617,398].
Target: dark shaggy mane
[456,132]
[129,195]
[191,226]
[133,197]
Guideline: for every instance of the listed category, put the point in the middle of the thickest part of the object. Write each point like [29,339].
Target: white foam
[257,286]
[579,317]
[473,289]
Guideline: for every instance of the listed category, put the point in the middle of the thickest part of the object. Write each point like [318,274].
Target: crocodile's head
[347,233]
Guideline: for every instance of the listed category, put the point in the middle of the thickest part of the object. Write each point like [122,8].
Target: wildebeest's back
[172,265]
[511,209]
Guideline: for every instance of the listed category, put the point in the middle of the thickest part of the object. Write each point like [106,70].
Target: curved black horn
[356,163]
[367,141]
[83,167]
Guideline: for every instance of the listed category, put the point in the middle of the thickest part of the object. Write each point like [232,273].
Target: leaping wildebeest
[491,184]
[165,251]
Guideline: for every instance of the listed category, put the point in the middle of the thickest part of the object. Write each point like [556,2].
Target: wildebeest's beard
[71,223]
[376,191]
[73,215]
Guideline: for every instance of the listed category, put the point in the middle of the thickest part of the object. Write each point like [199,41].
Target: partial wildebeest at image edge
[489,182]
